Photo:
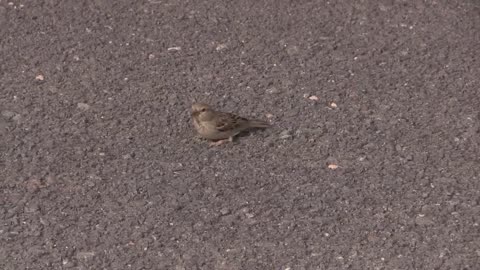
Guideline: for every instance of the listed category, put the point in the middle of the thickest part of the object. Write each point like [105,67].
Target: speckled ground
[373,161]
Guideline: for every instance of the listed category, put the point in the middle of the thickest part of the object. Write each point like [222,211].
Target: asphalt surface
[373,161]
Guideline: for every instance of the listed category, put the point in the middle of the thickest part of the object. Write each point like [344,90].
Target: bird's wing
[228,121]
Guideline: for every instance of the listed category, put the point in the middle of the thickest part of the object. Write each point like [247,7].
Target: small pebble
[83,106]
[333,166]
[292,50]
[39,77]
[272,90]
[16,117]
[314,98]
[8,114]
[423,221]
[286,134]
[33,185]
[90,183]
[85,255]
[224,211]
[333,105]
[221,47]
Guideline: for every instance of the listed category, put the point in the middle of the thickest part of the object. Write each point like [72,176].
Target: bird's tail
[258,124]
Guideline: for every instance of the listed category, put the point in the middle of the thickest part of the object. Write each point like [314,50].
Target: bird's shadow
[250,132]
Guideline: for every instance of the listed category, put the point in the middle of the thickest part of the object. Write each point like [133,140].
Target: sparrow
[220,126]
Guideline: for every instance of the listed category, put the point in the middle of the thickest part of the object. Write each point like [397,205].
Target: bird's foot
[220,142]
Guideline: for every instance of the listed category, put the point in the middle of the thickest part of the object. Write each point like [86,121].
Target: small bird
[220,126]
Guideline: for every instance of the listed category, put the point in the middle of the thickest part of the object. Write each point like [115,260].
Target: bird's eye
[203,109]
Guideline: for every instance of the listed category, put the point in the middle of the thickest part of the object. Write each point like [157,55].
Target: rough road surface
[373,161]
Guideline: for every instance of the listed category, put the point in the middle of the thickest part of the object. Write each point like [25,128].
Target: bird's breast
[207,130]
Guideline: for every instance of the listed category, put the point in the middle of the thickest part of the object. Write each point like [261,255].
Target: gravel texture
[373,161]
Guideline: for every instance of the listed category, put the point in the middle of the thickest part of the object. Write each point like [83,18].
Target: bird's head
[201,111]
